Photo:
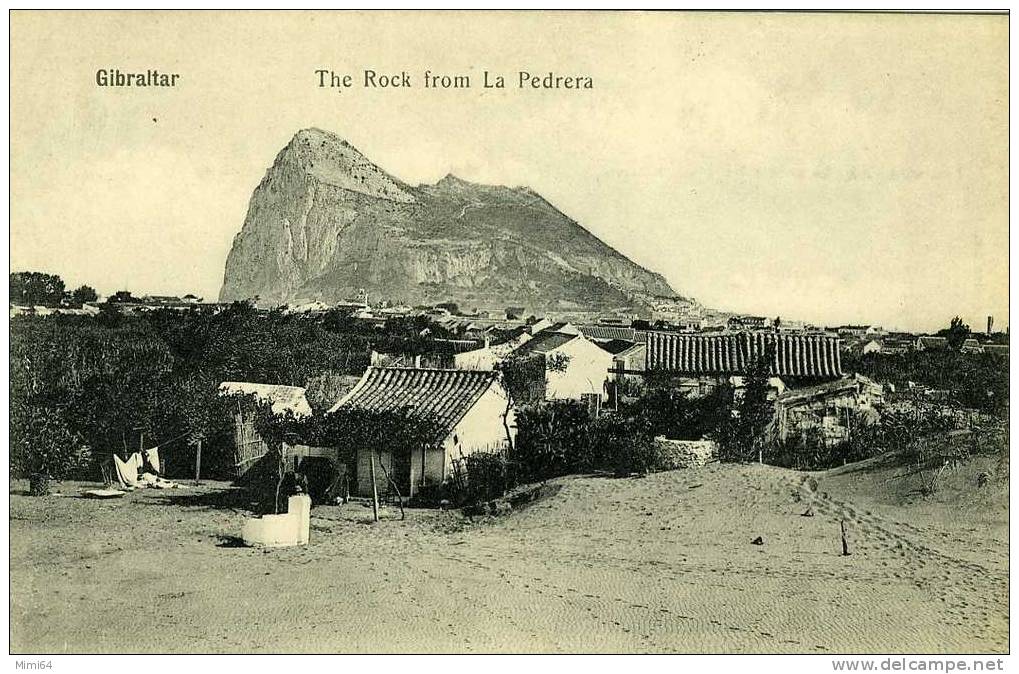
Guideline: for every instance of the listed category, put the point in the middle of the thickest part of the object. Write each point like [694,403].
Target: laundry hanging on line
[130,476]
[127,471]
[152,459]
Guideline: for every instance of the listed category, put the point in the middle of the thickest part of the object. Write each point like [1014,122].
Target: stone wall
[686,453]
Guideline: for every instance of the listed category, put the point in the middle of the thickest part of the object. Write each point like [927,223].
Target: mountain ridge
[326,221]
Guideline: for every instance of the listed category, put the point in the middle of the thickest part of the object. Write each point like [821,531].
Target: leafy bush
[560,438]
[42,443]
[743,420]
[912,435]
[669,412]
[481,477]
[551,440]
[622,445]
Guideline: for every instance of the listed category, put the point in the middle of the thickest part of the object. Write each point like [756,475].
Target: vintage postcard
[510,332]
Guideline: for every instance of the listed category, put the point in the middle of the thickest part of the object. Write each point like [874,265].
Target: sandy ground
[659,564]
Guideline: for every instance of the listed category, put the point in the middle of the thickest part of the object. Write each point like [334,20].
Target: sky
[834,168]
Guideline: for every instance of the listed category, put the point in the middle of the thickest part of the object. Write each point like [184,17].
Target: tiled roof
[543,342]
[795,355]
[607,332]
[808,393]
[617,346]
[504,349]
[442,395]
[281,398]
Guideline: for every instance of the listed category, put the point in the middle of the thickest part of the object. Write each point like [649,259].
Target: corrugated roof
[442,395]
[280,398]
[794,355]
[543,342]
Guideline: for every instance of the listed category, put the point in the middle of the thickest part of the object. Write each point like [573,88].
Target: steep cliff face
[325,222]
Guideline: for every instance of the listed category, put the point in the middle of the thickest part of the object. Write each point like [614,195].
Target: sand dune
[659,564]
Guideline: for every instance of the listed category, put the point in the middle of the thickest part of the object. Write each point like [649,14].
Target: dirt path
[659,564]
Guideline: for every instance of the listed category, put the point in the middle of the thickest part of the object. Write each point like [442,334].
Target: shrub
[43,444]
[481,477]
[669,412]
[744,420]
[623,445]
[551,440]
[560,438]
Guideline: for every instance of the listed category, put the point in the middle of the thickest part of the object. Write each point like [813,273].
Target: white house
[281,399]
[873,346]
[538,325]
[469,409]
[574,365]
[490,355]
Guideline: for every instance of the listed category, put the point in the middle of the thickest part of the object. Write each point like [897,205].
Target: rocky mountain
[325,222]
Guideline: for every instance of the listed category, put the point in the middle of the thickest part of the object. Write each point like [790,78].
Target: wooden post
[375,491]
[845,541]
[198,463]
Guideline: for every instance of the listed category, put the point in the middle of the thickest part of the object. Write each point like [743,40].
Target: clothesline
[172,440]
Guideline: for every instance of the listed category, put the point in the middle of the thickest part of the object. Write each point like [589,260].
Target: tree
[451,307]
[743,433]
[43,443]
[83,294]
[33,287]
[957,333]
[121,296]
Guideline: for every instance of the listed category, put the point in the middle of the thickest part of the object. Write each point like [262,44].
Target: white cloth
[152,458]
[127,471]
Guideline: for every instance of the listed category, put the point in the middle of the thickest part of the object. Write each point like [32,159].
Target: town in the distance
[820,380]
[453,409]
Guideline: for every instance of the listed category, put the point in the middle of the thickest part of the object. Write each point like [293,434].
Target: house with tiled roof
[629,360]
[929,342]
[699,363]
[971,346]
[888,346]
[489,356]
[467,408]
[603,333]
[575,367]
